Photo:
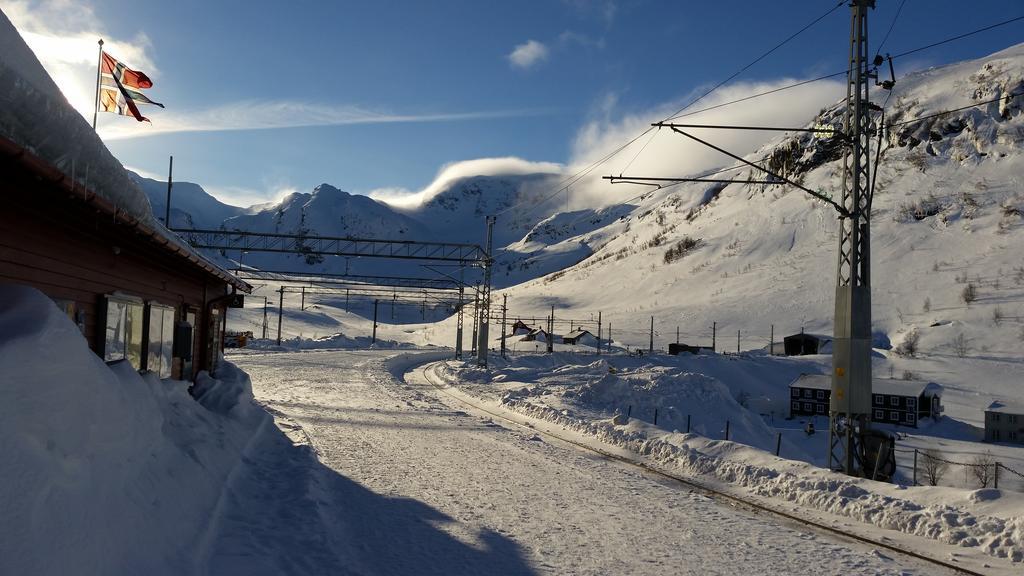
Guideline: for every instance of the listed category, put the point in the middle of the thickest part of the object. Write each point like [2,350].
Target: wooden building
[901,402]
[76,228]
[580,336]
[1004,422]
[804,344]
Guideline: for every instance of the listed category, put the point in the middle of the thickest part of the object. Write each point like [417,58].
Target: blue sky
[383,94]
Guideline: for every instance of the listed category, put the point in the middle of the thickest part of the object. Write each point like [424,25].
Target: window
[821,408]
[879,414]
[911,403]
[894,401]
[1013,418]
[911,417]
[123,330]
[878,400]
[161,339]
[1012,435]
[807,393]
[995,417]
[794,406]
[894,416]
[821,394]
[794,392]
[808,407]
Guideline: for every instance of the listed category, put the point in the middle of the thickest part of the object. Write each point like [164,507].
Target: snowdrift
[107,471]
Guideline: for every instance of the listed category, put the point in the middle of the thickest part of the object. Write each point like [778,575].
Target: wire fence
[930,468]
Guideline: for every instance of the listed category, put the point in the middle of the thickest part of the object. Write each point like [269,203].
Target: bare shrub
[982,469]
[909,346]
[997,316]
[927,306]
[682,248]
[960,345]
[933,465]
[969,293]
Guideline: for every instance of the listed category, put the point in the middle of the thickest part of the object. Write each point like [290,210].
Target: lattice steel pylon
[850,406]
[484,311]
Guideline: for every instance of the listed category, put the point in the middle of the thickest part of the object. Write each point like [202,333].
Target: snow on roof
[878,386]
[891,387]
[576,333]
[822,337]
[36,118]
[813,381]
[1005,407]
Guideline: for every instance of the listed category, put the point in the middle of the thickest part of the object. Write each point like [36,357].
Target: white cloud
[449,173]
[667,154]
[265,115]
[64,34]
[529,54]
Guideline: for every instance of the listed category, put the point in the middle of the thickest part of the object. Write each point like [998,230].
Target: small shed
[1004,422]
[580,336]
[803,344]
[536,335]
[676,349]
[520,328]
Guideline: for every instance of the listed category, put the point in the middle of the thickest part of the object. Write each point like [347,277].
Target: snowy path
[411,485]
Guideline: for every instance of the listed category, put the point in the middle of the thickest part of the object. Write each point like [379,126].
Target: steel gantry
[469,254]
[464,255]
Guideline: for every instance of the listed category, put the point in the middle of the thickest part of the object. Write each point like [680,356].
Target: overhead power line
[891,26]
[944,112]
[965,35]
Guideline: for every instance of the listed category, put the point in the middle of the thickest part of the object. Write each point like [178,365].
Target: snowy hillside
[191,205]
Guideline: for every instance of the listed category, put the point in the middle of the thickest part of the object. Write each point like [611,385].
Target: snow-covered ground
[422,484]
[592,396]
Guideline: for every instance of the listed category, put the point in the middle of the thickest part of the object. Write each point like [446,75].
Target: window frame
[894,400]
[129,331]
[879,415]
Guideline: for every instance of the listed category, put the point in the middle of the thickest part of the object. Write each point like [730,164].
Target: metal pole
[476,321]
[737,341]
[850,404]
[771,342]
[551,331]
[373,339]
[485,311]
[346,299]
[599,332]
[915,466]
[264,317]
[651,349]
[677,334]
[504,323]
[170,179]
[609,337]
[302,306]
[459,322]
[280,310]
[714,332]
[99,73]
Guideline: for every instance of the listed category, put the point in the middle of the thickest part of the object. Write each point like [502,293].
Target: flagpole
[99,72]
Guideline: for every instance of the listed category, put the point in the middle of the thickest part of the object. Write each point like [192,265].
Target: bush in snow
[909,345]
[682,248]
[960,345]
[969,293]
[934,466]
[982,469]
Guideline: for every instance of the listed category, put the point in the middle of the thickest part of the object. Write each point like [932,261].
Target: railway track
[704,489]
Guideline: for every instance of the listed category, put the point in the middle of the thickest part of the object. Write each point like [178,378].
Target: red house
[75,227]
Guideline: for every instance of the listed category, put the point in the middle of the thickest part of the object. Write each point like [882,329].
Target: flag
[120,88]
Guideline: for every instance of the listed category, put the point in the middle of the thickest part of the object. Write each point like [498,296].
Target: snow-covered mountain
[191,205]
[947,215]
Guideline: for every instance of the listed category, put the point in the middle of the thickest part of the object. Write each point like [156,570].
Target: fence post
[629,411]
[726,429]
[687,423]
[778,443]
[655,416]
[995,478]
[915,466]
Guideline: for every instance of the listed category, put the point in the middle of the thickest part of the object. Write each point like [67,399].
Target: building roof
[884,386]
[1005,407]
[41,131]
[821,337]
[812,381]
[576,333]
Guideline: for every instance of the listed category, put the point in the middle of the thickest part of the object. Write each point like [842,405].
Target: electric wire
[891,26]
[965,35]
[944,112]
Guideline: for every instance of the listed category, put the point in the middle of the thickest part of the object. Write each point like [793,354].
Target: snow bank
[106,471]
[332,342]
[924,511]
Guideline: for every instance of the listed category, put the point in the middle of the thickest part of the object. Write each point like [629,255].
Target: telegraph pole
[599,332]
[850,404]
[551,331]
[476,320]
[264,317]
[714,332]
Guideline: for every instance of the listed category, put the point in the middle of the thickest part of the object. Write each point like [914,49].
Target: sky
[389,97]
